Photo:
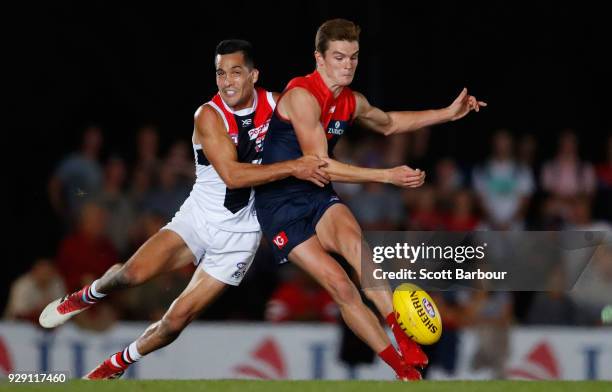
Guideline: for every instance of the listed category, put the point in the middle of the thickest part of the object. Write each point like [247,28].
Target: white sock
[133,351]
[95,292]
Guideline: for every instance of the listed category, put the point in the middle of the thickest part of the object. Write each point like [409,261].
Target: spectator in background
[527,149]
[567,175]
[580,217]
[32,291]
[300,298]
[424,214]
[396,150]
[87,252]
[78,177]
[504,186]
[148,224]
[147,151]
[447,180]
[141,184]
[378,207]
[180,158]
[444,354]
[553,306]
[169,194]
[591,267]
[121,213]
[593,290]
[604,182]
[462,216]
[418,149]
[490,314]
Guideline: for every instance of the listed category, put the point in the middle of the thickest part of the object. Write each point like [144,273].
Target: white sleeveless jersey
[233,209]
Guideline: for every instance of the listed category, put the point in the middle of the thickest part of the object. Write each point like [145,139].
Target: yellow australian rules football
[417,314]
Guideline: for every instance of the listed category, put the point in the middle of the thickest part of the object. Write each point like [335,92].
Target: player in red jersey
[304,223]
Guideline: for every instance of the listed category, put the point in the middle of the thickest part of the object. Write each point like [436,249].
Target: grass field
[313,386]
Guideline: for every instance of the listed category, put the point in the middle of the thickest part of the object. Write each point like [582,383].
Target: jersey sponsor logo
[246,122]
[336,127]
[256,132]
[259,134]
[280,240]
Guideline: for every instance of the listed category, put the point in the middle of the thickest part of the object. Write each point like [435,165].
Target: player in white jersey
[216,227]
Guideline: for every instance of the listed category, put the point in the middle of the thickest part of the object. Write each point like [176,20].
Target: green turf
[313,386]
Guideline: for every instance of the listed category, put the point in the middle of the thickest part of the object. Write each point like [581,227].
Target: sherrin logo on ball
[417,314]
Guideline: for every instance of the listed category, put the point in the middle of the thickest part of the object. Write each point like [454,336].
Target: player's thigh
[201,291]
[339,232]
[163,252]
[313,259]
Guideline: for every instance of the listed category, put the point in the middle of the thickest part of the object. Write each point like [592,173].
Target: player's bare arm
[302,109]
[221,152]
[389,123]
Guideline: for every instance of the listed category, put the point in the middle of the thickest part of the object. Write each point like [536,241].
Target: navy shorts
[287,222]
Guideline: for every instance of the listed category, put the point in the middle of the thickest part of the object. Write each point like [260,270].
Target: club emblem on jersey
[280,240]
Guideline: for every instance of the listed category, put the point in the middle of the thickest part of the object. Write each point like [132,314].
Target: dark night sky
[541,67]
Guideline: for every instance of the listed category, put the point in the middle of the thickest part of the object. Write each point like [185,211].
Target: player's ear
[319,58]
[255,75]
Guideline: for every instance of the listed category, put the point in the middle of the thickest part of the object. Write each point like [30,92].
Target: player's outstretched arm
[389,123]
[221,152]
[302,109]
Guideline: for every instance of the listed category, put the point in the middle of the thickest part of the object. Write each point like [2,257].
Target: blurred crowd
[107,206]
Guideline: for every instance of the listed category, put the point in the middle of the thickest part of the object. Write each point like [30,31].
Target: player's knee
[114,268]
[343,291]
[351,245]
[132,275]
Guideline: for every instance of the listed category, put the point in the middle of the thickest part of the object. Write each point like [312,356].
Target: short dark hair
[335,30]
[229,46]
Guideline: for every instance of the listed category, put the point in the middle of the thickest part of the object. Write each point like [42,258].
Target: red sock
[396,329]
[392,358]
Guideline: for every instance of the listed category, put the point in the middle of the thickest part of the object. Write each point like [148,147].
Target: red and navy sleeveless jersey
[281,143]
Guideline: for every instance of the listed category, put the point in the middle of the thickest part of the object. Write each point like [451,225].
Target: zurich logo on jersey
[336,127]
